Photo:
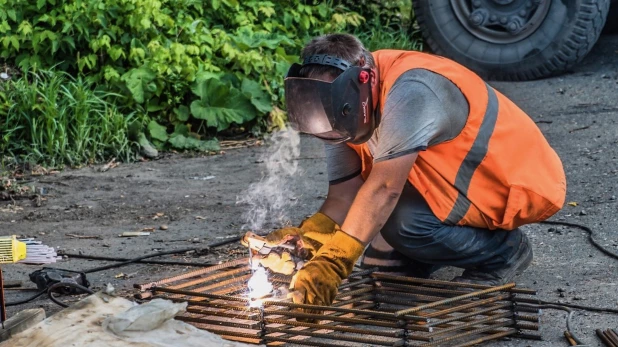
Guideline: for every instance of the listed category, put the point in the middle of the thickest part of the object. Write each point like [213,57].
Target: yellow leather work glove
[317,282]
[307,240]
[313,231]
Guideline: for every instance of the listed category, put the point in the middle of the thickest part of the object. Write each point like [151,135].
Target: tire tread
[586,30]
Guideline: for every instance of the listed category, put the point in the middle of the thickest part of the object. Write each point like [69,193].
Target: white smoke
[269,199]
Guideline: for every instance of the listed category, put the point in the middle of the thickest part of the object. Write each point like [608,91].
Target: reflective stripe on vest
[473,159]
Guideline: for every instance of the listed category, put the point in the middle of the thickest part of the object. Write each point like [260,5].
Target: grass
[394,27]
[391,38]
[51,118]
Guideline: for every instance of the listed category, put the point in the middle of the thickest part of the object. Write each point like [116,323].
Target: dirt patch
[195,198]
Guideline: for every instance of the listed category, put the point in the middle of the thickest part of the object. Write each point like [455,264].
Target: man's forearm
[377,198]
[370,211]
[336,209]
[339,199]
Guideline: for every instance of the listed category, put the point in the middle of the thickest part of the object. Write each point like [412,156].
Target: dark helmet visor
[309,105]
[336,111]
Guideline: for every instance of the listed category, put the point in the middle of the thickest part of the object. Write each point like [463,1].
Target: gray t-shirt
[422,109]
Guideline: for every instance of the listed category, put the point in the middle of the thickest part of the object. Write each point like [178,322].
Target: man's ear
[375,86]
[374,77]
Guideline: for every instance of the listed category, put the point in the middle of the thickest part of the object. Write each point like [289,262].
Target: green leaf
[246,38]
[182,113]
[69,40]
[25,28]
[187,142]
[15,42]
[215,4]
[220,104]
[136,80]
[157,131]
[12,14]
[304,21]
[259,98]
[231,3]
[4,26]
[181,129]
[40,4]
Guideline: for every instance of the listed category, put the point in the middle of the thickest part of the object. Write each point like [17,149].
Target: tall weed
[53,118]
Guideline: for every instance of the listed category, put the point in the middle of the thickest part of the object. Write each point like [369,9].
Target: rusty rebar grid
[370,309]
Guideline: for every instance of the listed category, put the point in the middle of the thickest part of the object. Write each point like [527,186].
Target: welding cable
[53,287]
[590,234]
[158,254]
[25,301]
[154,262]
[123,263]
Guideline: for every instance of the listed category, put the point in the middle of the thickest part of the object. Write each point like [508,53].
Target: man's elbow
[390,193]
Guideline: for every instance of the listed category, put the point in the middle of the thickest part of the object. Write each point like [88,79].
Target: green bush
[194,66]
[53,118]
[183,71]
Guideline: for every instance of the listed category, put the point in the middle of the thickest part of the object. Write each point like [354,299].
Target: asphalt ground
[195,198]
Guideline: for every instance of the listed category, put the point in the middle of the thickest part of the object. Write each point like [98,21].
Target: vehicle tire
[611,26]
[556,36]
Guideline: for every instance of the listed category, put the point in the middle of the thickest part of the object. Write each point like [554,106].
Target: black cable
[122,263]
[133,260]
[25,301]
[158,254]
[50,291]
[156,262]
[567,307]
[590,238]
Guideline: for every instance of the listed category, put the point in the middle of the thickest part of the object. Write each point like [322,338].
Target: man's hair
[344,46]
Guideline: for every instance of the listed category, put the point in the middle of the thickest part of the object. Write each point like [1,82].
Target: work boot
[520,262]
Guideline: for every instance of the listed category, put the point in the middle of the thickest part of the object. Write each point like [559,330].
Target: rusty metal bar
[495,336]
[355,283]
[354,300]
[527,317]
[470,324]
[419,289]
[211,278]
[424,281]
[606,341]
[385,333]
[321,317]
[470,314]
[413,290]
[353,292]
[370,309]
[441,342]
[611,335]
[299,342]
[254,325]
[241,261]
[527,326]
[455,299]
[449,308]
[241,279]
[340,337]
[201,295]
[237,314]
[467,306]
[346,310]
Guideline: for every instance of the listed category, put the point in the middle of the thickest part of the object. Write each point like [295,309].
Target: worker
[428,166]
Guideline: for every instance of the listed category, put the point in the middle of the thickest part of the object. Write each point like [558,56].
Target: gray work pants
[423,244]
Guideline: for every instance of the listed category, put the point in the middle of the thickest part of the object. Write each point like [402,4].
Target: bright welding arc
[259,286]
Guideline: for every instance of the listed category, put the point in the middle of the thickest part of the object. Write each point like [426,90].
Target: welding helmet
[337,111]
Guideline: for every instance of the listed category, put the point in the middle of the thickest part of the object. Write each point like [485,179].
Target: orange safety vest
[498,173]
